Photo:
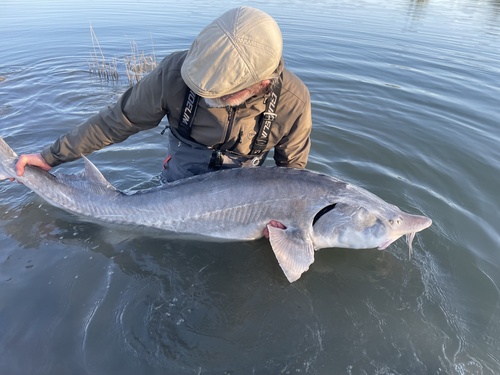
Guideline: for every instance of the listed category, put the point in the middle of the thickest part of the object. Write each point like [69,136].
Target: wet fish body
[319,211]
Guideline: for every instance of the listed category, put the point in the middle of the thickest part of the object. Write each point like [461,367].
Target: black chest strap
[266,120]
[188,113]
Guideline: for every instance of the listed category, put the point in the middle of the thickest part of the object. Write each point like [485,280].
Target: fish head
[364,226]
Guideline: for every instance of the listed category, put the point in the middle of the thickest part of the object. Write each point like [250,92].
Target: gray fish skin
[319,211]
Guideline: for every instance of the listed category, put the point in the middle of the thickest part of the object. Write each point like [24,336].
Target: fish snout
[404,223]
[407,225]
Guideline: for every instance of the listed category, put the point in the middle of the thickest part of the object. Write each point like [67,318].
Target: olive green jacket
[161,93]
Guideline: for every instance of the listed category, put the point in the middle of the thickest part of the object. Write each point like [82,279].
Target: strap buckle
[255,161]
[216,160]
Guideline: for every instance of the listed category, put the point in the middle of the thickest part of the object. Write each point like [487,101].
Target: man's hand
[31,159]
[275,224]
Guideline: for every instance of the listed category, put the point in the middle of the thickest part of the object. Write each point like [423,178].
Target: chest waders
[188,157]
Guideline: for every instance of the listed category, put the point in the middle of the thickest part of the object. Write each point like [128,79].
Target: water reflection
[181,305]
[416,9]
[496,5]
[409,114]
[226,308]
[490,8]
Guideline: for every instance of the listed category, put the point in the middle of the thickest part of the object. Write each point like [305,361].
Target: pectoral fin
[293,249]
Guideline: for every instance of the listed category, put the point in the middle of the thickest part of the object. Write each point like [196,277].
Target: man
[228,99]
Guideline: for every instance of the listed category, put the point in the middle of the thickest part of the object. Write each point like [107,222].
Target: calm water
[405,103]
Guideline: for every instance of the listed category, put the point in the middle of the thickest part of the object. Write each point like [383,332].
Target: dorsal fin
[90,179]
[94,175]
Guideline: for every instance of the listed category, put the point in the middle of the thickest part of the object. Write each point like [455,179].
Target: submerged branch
[137,65]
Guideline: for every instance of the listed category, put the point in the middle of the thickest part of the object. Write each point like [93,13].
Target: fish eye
[397,221]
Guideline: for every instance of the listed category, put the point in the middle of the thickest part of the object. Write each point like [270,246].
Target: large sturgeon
[318,211]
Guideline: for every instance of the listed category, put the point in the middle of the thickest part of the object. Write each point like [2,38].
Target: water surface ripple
[405,104]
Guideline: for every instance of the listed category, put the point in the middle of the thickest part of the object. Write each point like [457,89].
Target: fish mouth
[385,244]
[425,223]
[409,241]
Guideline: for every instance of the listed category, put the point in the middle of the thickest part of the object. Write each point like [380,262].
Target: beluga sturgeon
[318,211]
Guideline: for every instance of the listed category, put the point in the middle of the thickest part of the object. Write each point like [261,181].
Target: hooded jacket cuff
[49,157]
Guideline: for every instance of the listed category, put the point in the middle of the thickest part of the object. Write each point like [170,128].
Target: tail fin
[7,160]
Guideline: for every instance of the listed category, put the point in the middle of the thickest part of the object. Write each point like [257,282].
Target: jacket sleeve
[293,149]
[141,107]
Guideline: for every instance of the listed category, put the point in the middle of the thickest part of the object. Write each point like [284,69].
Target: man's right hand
[31,159]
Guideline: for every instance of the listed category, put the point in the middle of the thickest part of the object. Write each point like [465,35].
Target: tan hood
[238,49]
